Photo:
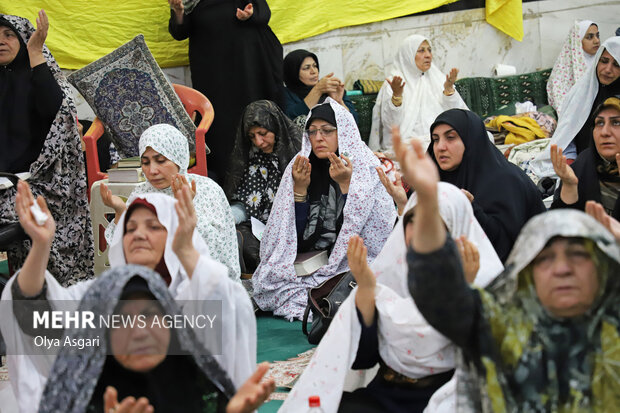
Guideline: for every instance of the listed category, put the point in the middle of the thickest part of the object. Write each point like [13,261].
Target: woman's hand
[42,235]
[418,168]
[597,211]
[37,40]
[177,6]
[470,257]
[246,13]
[364,277]
[396,190]
[340,172]
[252,393]
[182,243]
[448,86]
[128,405]
[397,84]
[179,181]
[301,175]
[569,194]
[328,84]
[112,201]
[469,195]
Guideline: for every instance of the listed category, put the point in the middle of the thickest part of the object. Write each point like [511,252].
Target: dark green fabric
[278,340]
[485,95]
[363,105]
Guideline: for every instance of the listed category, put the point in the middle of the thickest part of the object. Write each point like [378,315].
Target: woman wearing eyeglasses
[328,193]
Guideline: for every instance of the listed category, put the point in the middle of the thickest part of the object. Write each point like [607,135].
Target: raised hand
[301,175]
[418,168]
[340,172]
[112,201]
[40,234]
[561,167]
[328,84]
[246,13]
[448,86]
[178,181]
[252,393]
[395,189]
[397,84]
[358,264]
[469,195]
[187,221]
[597,211]
[177,6]
[128,405]
[37,40]
[470,258]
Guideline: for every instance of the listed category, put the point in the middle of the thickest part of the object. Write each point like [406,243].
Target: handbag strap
[304,322]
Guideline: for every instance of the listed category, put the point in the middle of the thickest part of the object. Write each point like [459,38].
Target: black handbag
[324,300]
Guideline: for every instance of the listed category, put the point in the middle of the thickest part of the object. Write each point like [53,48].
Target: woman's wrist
[344,187]
[449,92]
[36,58]
[397,100]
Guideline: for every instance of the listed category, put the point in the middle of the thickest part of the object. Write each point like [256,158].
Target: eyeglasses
[325,131]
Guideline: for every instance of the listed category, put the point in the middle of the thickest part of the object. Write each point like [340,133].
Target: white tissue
[504,70]
[524,107]
[39,215]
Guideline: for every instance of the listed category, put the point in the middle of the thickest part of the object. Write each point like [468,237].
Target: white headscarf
[570,65]
[215,223]
[423,97]
[369,211]
[575,109]
[407,343]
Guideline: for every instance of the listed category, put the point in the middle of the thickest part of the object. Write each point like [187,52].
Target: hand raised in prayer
[417,167]
[470,258]
[40,234]
[246,13]
[253,392]
[340,172]
[179,181]
[128,405]
[338,94]
[301,175]
[358,264]
[469,195]
[328,84]
[37,40]
[448,86]
[597,211]
[395,189]
[561,167]
[177,6]
[397,84]
[112,201]
[182,243]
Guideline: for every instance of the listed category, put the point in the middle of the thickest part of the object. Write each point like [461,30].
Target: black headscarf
[504,196]
[292,64]
[266,114]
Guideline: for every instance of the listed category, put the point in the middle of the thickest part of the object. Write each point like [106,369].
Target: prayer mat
[129,93]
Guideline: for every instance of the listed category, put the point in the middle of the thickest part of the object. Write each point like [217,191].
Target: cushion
[368,86]
[128,91]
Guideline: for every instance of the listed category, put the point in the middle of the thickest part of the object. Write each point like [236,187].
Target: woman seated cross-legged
[328,193]
[155,231]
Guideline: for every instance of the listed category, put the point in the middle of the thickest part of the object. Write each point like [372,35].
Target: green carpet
[278,340]
[4,267]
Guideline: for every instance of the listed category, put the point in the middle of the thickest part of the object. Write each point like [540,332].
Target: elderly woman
[576,56]
[543,336]
[304,89]
[379,323]
[413,96]
[165,158]
[328,193]
[39,135]
[573,134]
[265,143]
[503,197]
[594,175]
[157,232]
[176,374]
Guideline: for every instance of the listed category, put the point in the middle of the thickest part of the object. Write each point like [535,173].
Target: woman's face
[158,169]
[144,240]
[309,72]
[323,137]
[591,40]
[262,138]
[607,69]
[448,147]
[424,56]
[9,45]
[565,278]
[145,346]
[606,133]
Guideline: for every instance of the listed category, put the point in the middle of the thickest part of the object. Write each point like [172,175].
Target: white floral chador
[215,220]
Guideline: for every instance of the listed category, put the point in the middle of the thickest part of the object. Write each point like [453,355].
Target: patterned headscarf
[570,65]
[369,212]
[58,174]
[75,372]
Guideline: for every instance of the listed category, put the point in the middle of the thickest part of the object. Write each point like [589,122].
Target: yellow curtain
[507,16]
[81,31]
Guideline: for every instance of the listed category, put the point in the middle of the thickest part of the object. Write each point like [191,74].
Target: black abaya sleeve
[179,31]
[48,93]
